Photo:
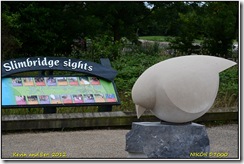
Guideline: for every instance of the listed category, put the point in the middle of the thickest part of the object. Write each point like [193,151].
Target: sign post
[95,87]
[48,110]
[105,108]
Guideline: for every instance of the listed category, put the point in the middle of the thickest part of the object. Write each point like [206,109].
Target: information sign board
[57,91]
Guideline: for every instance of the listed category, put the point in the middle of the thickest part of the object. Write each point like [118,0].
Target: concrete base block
[165,140]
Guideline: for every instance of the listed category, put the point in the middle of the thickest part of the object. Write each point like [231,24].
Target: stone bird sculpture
[179,89]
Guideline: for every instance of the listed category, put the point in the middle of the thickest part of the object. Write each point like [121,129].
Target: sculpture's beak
[139,111]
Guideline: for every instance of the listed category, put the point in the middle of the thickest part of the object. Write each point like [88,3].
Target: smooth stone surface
[165,140]
[179,89]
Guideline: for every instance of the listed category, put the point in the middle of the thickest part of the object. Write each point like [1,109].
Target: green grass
[163,38]
[168,38]
[156,38]
[198,41]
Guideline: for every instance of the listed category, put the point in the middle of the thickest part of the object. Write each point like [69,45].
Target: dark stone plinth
[159,140]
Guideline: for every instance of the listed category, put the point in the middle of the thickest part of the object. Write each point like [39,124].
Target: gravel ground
[98,143]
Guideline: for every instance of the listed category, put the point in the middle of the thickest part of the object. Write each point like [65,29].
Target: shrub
[228,88]
[130,67]
[98,47]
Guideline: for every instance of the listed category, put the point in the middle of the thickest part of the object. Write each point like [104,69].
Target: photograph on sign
[24,91]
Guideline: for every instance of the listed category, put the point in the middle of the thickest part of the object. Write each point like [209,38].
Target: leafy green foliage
[32,28]
[217,25]
[228,88]
[130,67]
[99,47]
[220,26]
[10,43]
[188,23]
[229,81]
[50,28]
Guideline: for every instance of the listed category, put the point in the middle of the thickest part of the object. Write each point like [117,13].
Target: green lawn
[163,38]
[156,38]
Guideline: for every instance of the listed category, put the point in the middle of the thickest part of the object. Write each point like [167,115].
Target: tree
[119,19]
[216,23]
[189,29]
[220,27]
[188,26]
[10,44]
[163,20]
[50,28]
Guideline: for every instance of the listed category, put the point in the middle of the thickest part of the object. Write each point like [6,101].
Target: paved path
[98,143]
